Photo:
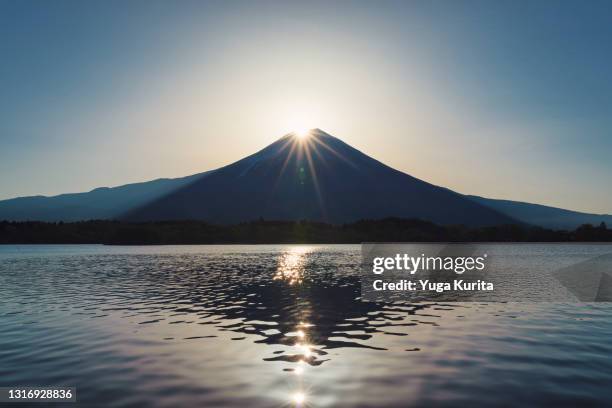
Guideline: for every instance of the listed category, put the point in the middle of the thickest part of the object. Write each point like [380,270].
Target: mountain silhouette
[320,178]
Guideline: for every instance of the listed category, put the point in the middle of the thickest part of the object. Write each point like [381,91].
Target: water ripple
[225,326]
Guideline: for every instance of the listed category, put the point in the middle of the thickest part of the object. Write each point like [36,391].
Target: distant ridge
[542,215]
[99,203]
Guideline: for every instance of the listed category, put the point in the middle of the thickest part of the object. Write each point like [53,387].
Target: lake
[280,326]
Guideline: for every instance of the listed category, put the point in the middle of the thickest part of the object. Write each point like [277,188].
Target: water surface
[265,326]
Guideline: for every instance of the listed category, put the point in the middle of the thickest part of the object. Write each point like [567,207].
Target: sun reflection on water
[299,370]
[291,270]
[299,398]
[292,264]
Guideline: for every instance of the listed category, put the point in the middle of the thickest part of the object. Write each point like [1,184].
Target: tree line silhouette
[282,232]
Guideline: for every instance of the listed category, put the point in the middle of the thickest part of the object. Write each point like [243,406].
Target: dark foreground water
[272,326]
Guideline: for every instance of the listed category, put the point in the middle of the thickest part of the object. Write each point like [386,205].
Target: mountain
[100,203]
[317,177]
[542,215]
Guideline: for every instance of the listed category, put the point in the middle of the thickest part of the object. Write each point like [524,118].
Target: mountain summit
[314,177]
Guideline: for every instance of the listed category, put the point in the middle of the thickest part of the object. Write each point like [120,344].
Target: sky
[501,99]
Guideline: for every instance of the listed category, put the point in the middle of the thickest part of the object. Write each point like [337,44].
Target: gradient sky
[505,99]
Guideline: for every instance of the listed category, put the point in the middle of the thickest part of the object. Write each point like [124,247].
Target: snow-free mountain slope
[100,203]
[315,178]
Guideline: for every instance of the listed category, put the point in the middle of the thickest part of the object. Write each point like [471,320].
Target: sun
[300,117]
[302,132]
